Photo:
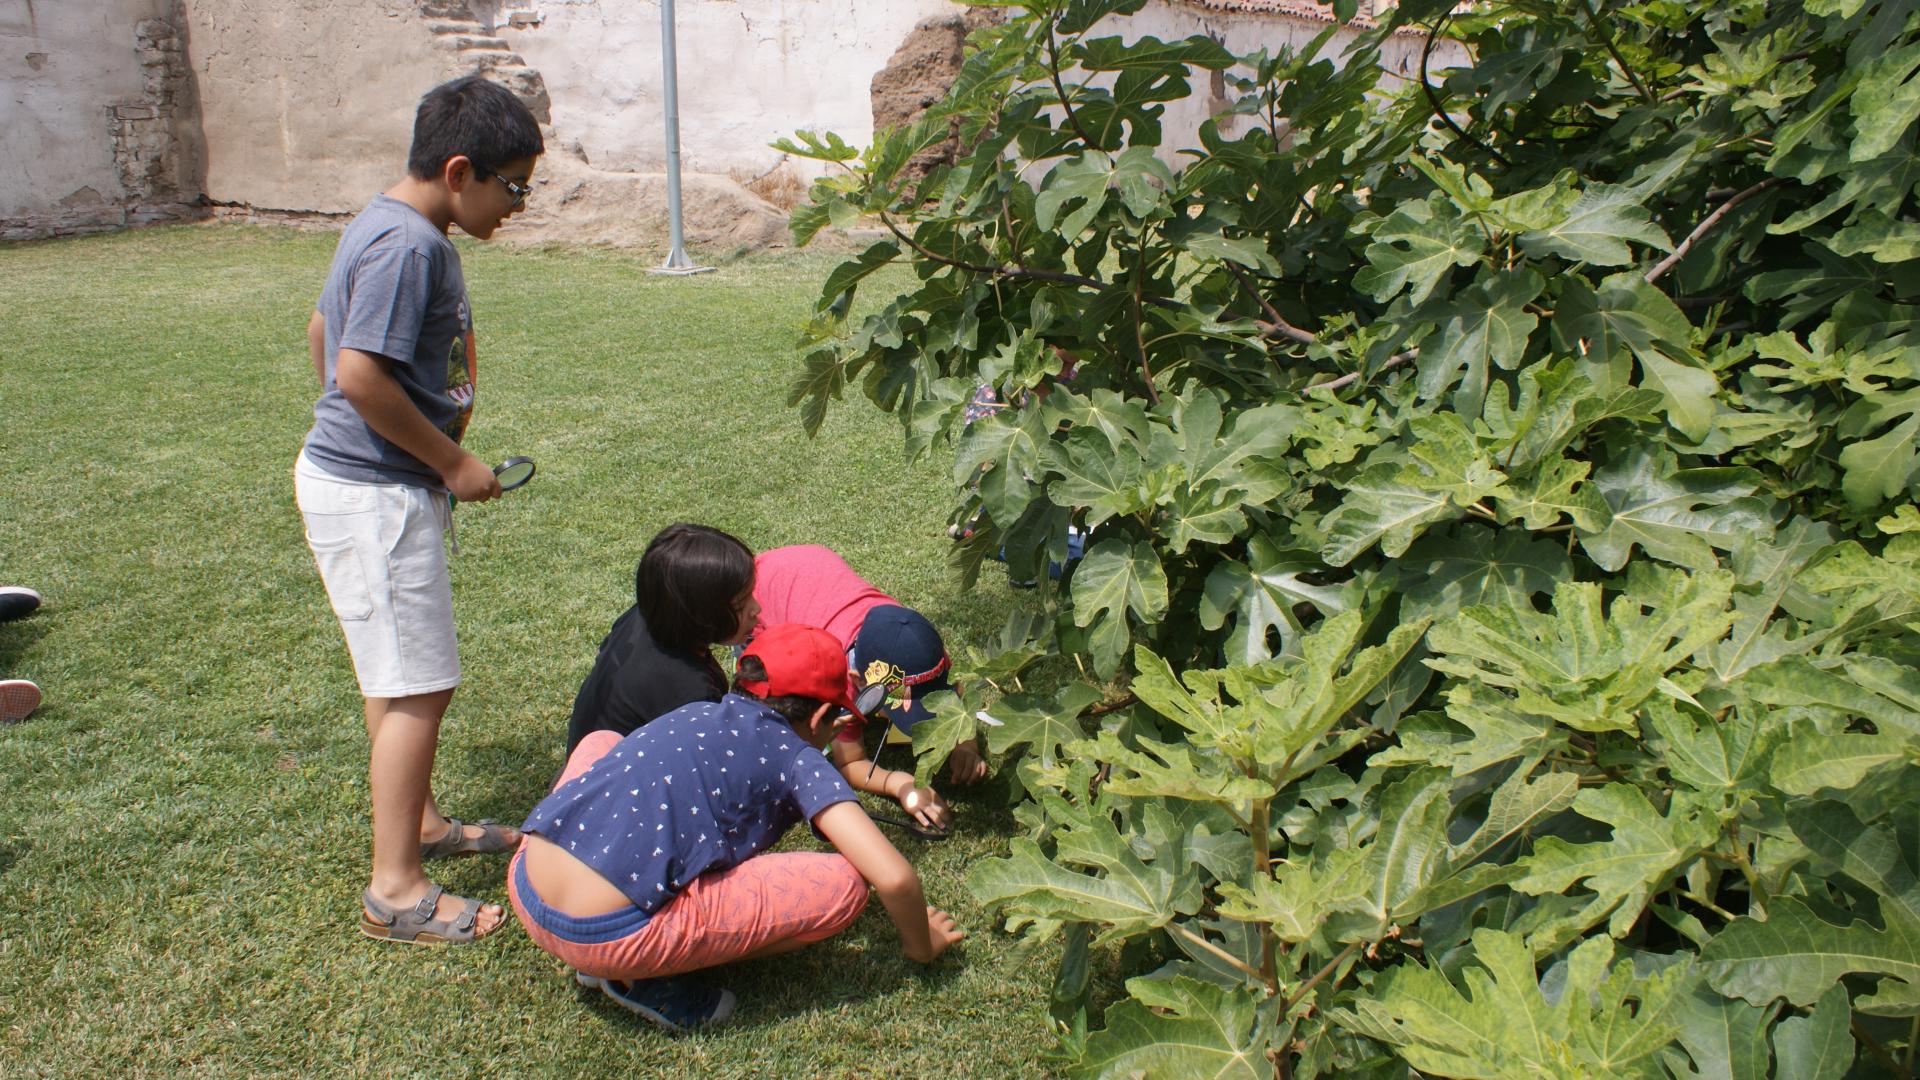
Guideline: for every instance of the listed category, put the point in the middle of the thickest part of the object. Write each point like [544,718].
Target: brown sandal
[417,926]
[455,841]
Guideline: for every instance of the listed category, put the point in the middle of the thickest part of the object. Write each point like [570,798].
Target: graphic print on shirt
[462,375]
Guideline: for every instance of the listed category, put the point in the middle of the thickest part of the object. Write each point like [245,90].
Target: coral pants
[718,918]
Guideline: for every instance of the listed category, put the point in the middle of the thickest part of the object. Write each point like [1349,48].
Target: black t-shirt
[635,679]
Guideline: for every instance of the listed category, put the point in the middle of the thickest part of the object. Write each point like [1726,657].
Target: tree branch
[1304,988]
[1393,361]
[997,271]
[1433,99]
[1278,326]
[1236,963]
[1708,223]
[1606,39]
[1053,72]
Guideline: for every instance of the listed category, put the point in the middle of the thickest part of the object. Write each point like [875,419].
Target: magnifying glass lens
[514,472]
[870,698]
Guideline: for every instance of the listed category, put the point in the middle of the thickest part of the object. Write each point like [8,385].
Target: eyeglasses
[518,191]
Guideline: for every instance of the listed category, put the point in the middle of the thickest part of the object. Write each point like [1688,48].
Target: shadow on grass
[817,981]
[10,854]
[16,638]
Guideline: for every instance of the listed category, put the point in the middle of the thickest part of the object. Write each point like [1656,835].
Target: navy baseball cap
[899,647]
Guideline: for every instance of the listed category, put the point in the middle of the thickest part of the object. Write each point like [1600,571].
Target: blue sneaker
[674,1005]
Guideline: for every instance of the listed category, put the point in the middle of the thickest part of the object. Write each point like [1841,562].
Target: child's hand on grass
[941,932]
[927,808]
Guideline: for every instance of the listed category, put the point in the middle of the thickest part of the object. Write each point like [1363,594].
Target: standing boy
[392,344]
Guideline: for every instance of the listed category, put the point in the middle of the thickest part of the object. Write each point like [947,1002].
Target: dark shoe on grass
[17,601]
[674,1005]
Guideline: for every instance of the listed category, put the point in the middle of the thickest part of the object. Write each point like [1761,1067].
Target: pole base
[678,264]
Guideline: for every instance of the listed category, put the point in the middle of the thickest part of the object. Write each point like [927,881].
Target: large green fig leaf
[1626,312]
[1604,1020]
[1261,595]
[1677,515]
[1646,848]
[1178,1027]
[1728,753]
[1726,1038]
[1163,770]
[1416,246]
[1597,227]
[1380,508]
[1115,580]
[1583,666]
[1797,955]
[1042,724]
[1093,473]
[1818,1046]
[1407,854]
[1470,566]
[1123,894]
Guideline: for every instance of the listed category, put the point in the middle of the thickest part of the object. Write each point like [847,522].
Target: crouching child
[645,862]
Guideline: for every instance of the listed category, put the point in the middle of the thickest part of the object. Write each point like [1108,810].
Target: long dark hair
[686,584]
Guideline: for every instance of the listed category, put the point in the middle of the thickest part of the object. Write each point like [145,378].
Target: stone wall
[99,127]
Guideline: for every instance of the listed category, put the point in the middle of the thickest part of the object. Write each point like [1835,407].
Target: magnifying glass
[513,472]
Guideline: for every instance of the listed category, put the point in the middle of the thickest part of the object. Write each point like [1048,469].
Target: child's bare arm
[376,395]
[317,347]
[924,803]
[925,931]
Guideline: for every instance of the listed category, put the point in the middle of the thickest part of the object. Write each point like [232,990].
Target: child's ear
[822,717]
[457,171]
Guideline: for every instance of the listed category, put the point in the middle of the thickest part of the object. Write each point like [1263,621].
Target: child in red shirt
[811,585]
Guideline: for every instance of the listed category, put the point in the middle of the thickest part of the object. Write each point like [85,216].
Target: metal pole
[677,261]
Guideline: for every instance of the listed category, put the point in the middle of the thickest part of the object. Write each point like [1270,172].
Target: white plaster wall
[751,71]
[65,64]
[1243,33]
[309,105]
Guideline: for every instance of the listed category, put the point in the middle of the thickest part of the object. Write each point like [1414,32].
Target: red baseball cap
[802,660]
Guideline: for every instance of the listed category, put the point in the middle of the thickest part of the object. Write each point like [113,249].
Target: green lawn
[183,830]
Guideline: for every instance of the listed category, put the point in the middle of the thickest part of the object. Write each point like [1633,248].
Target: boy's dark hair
[474,117]
[793,708]
[686,584]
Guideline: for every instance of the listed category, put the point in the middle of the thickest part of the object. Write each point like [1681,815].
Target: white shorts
[382,555]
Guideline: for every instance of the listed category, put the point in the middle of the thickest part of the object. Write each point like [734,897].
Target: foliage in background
[1501,558]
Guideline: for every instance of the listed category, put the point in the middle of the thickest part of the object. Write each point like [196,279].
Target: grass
[183,824]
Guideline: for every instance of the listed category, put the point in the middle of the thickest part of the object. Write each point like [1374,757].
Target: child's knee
[843,893]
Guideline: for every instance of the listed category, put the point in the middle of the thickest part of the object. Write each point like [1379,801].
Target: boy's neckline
[419,198]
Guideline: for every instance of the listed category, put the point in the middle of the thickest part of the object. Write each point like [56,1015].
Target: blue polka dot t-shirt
[704,787]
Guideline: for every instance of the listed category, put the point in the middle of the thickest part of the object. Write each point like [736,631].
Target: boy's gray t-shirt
[395,290]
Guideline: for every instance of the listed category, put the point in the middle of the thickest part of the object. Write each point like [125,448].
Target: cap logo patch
[879,671]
